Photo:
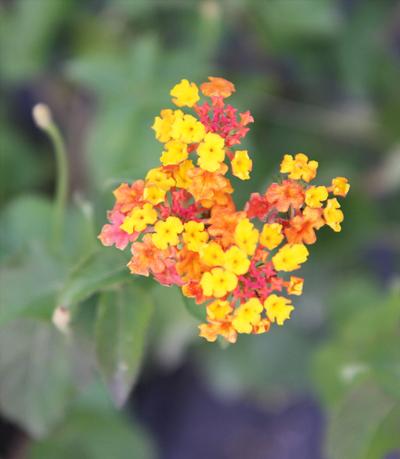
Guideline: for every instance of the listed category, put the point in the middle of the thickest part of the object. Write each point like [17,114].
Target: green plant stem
[62,173]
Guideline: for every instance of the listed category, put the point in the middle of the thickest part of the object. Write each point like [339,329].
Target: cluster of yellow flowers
[184,228]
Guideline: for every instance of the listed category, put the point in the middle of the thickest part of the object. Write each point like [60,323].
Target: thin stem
[60,198]
[44,121]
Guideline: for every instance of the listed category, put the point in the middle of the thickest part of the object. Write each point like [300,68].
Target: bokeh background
[319,76]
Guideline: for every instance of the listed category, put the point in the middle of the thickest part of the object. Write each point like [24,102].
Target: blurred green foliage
[319,76]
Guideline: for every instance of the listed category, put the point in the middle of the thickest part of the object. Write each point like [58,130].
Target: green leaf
[196,310]
[121,329]
[35,376]
[94,431]
[36,212]
[29,284]
[27,211]
[16,149]
[23,54]
[99,271]
[356,421]
[387,437]
[366,345]
[288,21]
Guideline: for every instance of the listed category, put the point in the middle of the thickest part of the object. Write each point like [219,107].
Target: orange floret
[302,227]
[217,87]
[285,195]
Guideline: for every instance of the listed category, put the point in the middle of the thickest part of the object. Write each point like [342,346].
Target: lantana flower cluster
[184,229]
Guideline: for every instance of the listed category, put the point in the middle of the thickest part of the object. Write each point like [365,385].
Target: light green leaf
[23,54]
[25,219]
[29,284]
[35,377]
[356,420]
[287,21]
[94,431]
[102,269]
[196,310]
[366,345]
[121,329]
[387,437]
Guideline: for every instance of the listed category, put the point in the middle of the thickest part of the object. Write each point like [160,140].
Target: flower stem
[44,121]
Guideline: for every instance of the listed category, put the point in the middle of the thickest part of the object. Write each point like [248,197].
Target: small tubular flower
[212,254]
[333,215]
[278,308]
[340,186]
[188,129]
[139,218]
[247,315]
[315,195]
[211,331]
[166,232]
[295,286]
[154,194]
[112,234]
[218,310]
[194,235]
[211,152]
[302,228]
[146,258]
[176,152]
[182,176]
[162,125]
[185,94]
[218,282]
[242,165]
[290,257]
[285,195]
[236,260]
[246,236]
[217,87]
[299,167]
[271,235]
[160,179]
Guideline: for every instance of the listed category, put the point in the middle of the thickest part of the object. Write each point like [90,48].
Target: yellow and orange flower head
[184,229]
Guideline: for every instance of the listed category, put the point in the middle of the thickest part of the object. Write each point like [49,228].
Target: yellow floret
[218,310]
[295,286]
[181,175]
[160,179]
[247,315]
[188,129]
[176,152]
[218,282]
[163,124]
[236,261]
[154,194]
[290,257]
[246,236]
[340,186]
[333,215]
[167,233]
[278,308]
[315,196]
[271,235]
[185,94]
[242,165]
[211,152]
[299,167]
[139,218]
[194,235]
[212,254]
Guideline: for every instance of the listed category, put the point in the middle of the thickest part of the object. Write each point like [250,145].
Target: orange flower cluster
[184,228]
